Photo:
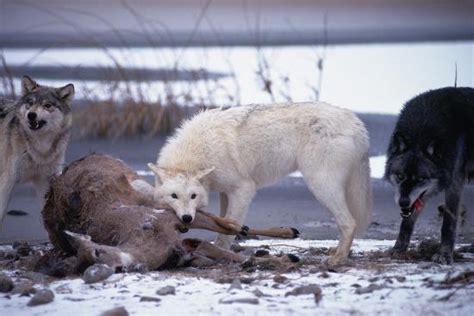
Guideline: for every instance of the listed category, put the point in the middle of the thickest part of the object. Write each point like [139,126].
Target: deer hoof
[296,233]
[244,230]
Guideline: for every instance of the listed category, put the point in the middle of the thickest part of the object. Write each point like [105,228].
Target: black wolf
[432,151]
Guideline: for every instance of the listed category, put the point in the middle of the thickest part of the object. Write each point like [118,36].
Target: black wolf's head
[414,172]
[42,109]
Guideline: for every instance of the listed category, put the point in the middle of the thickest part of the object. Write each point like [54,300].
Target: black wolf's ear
[28,85]
[66,93]
[433,150]
[399,144]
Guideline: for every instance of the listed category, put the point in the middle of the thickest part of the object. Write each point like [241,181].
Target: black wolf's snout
[404,202]
[187,219]
[32,116]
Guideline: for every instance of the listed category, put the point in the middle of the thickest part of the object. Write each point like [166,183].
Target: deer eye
[174,196]
[193,196]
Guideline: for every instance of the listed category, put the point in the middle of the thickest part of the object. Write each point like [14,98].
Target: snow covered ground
[365,287]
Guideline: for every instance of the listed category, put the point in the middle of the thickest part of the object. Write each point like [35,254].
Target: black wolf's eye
[174,196]
[193,196]
[421,179]
[400,177]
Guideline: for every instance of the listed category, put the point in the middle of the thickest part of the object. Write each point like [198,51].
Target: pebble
[369,289]
[303,290]
[97,273]
[236,285]
[6,284]
[41,297]
[167,290]
[150,299]
[243,300]
[118,311]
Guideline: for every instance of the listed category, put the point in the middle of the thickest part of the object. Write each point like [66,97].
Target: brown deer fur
[93,212]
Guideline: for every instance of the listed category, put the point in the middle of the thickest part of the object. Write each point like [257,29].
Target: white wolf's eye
[193,196]
[174,196]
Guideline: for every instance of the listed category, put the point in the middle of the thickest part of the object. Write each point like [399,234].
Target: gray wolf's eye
[174,196]
[47,105]
[193,196]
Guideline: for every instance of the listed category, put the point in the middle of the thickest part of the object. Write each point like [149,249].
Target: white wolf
[34,133]
[235,151]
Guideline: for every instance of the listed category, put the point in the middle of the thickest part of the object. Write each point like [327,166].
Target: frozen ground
[371,284]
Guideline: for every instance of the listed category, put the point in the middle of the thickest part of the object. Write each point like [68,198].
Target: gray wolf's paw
[443,258]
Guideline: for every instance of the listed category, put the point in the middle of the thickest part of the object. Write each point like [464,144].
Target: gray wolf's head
[413,173]
[184,192]
[44,109]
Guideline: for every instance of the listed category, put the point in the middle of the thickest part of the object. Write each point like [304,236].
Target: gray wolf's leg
[238,203]
[6,186]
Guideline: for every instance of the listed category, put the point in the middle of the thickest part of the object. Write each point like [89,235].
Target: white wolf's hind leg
[6,187]
[224,204]
[238,203]
[328,186]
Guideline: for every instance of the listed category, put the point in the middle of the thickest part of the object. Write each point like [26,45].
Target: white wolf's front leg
[41,188]
[238,203]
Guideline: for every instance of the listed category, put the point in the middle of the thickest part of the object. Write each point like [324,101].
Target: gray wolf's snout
[32,116]
[187,219]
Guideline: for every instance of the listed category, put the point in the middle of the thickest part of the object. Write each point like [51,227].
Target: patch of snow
[398,288]
[377,166]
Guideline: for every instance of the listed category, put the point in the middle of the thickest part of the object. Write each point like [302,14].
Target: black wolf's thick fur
[433,141]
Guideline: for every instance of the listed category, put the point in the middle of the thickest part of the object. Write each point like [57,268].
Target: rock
[41,297]
[17,213]
[400,278]
[150,299]
[97,273]
[6,284]
[22,248]
[280,278]
[304,290]
[258,293]
[63,289]
[167,290]
[236,285]
[242,300]
[24,289]
[118,311]
[369,289]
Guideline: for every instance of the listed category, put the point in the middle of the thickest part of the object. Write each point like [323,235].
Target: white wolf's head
[183,192]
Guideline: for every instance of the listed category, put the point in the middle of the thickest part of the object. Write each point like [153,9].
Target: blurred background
[140,67]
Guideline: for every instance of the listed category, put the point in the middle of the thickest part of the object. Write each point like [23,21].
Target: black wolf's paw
[443,258]
[397,253]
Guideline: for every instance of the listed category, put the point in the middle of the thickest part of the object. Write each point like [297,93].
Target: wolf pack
[235,151]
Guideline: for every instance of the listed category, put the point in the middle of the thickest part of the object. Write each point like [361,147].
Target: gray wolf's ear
[28,85]
[204,172]
[66,93]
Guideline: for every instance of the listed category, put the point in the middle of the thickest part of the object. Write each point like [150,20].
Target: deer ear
[28,85]
[66,93]
[76,240]
[203,173]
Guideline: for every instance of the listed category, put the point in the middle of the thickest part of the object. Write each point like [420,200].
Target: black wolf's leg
[406,229]
[450,220]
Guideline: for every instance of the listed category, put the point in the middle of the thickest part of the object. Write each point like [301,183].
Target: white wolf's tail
[359,195]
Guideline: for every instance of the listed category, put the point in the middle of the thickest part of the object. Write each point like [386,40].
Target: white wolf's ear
[66,93]
[203,173]
[159,172]
[28,85]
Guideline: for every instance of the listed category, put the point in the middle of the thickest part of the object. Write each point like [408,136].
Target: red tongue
[418,204]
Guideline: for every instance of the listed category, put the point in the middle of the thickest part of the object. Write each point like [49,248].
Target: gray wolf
[93,212]
[34,135]
[235,151]
[432,151]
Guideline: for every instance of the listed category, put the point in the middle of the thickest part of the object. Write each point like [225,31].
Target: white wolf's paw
[443,258]
[333,262]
